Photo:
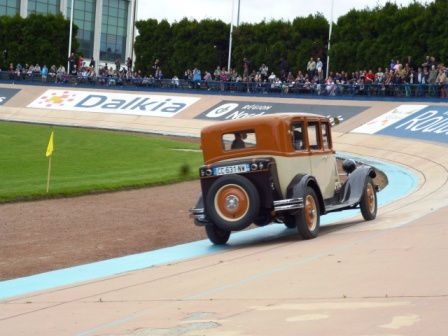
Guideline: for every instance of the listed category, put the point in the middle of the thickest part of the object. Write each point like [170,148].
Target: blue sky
[252,10]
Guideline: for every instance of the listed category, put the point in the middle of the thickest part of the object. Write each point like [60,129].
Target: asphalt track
[384,277]
[402,182]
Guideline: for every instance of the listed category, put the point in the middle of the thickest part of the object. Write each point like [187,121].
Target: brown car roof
[272,132]
[257,120]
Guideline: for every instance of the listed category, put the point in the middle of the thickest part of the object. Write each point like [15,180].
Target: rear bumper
[288,204]
[198,214]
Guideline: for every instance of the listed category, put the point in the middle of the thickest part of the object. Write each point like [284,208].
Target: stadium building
[106,27]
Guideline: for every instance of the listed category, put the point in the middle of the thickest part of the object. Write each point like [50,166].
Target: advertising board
[229,110]
[112,102]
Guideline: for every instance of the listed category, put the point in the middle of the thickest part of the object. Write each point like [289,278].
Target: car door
[323,161]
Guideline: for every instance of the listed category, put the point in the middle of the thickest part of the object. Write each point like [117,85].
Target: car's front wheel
[216,235]
[232,202]
[308,218]
[369,202]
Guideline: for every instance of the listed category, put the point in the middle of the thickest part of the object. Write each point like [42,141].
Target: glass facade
[113,37]
[9,7]
[84,18]
[113,30]
[43,6]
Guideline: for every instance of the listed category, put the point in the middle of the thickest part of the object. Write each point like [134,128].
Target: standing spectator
[52,72]
[246,68]
[264,72]
[441,81]
[311,68]
[117,64]
[175,81]
[71,62]
[155,66]
[320,69]
[80,62]
[283,69]
[217,73]
[92,63]
[432,79]
[196,78]
[44,73]
[5,56]
[129,63]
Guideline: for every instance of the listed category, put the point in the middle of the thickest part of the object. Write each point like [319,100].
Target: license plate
[236,169]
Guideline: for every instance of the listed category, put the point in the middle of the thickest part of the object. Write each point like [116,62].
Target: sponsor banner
[229,110]
[120,103]
[430,123]
[7,94]
[388,119]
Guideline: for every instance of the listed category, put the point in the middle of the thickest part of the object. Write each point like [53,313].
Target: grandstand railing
[313,89]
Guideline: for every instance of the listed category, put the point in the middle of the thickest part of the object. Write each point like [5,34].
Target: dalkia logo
[149,105]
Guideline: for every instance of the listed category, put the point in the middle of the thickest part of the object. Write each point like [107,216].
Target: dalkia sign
[135,104]
[411,121]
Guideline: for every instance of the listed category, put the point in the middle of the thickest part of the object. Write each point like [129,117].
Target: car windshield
[239,140]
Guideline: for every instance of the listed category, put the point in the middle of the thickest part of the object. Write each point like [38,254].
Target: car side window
[326,136]
[298,141]
[313,135]
[238,140]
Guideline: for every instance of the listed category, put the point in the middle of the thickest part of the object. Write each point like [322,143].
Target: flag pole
[49,173]
[229,60]
[70,36]
[49,154]
[329,40]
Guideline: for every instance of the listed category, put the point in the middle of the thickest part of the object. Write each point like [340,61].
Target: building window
[43,7]
[113,30]
[84,18]
[9,7]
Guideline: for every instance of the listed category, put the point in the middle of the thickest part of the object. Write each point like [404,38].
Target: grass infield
[86,161]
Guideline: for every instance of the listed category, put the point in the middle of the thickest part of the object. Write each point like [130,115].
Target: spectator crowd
[409,79]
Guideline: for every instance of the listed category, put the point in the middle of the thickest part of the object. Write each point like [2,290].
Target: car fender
[354,187]
[297,188]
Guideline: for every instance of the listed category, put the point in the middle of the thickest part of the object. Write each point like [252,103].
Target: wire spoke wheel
[310,212]
[369,202]
[308,218]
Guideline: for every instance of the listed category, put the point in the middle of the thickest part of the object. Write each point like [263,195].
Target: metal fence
[295,88]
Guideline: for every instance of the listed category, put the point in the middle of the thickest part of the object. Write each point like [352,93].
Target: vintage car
[279,168]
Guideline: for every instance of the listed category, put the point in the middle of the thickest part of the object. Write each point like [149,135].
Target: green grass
[87,160]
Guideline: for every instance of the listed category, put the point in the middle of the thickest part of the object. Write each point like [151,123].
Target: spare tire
[232,202]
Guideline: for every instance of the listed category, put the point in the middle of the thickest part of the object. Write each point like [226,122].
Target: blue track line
[401,183]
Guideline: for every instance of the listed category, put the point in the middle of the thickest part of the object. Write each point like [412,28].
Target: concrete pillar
[24,8]
[97,33]
[130,31]
[63,8]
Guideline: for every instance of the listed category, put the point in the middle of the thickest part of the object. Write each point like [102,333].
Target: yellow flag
[50,146]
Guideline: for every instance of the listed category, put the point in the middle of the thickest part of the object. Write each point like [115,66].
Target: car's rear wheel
[308,218]
[232,202]
[369,202]
[216,235]
[290,221]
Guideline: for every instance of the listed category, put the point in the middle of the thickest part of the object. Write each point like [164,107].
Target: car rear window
[239,140]
[313,135]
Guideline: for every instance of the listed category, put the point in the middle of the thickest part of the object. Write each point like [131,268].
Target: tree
[36,39]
